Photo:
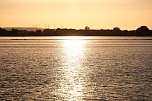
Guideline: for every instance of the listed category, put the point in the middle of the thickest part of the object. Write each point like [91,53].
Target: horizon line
[37,28]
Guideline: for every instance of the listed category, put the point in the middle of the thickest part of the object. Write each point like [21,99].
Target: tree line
[116,31]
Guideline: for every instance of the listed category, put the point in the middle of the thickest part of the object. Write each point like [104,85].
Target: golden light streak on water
[73,51]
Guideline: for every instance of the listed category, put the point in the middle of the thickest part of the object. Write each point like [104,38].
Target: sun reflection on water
[72,86]
[73,48]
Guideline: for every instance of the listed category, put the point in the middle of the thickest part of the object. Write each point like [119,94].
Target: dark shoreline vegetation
[141,31]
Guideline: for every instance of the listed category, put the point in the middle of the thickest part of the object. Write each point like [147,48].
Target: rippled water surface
[76,68]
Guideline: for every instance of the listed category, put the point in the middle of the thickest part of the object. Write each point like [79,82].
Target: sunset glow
[128,14]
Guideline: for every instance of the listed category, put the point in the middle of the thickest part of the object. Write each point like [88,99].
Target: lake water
[76,68]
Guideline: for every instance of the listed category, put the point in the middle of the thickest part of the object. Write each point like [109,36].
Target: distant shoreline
[141,31]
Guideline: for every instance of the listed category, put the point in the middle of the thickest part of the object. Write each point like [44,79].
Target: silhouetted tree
[3,32]
[48,32]
[116,29]
[15,32]
[38,32]
[143,30]
[87,28]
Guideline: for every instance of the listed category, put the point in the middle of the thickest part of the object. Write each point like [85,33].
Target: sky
[97,14]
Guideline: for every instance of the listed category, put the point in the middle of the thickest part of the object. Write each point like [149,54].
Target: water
[76,68]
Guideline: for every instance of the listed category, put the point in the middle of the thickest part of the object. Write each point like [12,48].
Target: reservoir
[76,68]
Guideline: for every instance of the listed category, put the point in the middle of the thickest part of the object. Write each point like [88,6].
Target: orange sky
[106,14]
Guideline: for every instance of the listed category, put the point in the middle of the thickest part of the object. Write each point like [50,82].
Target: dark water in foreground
[58,69]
